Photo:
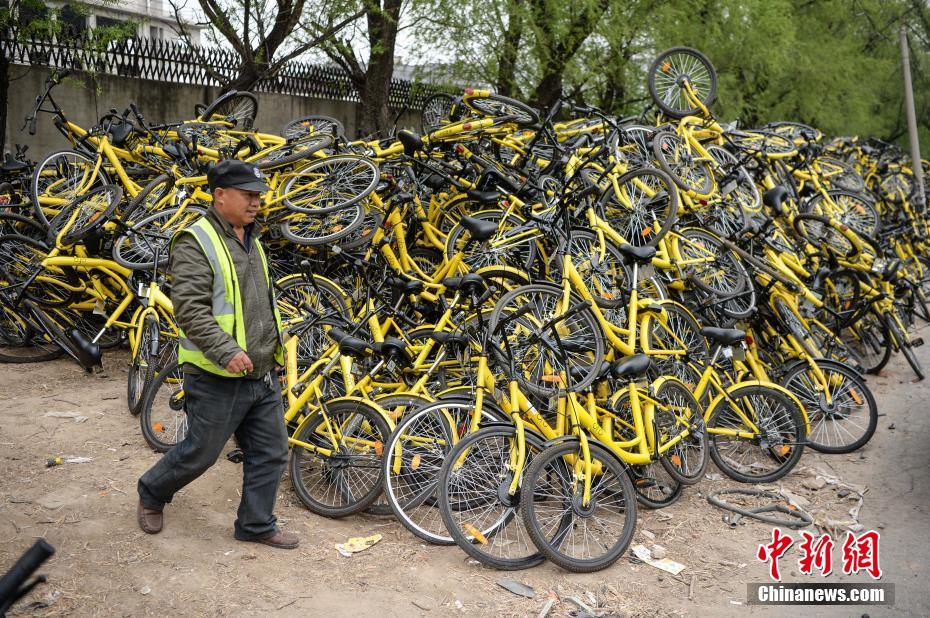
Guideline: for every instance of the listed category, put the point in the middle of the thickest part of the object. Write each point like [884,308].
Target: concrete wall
[159,102]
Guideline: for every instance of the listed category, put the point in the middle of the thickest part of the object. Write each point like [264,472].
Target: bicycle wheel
[300,128]
[330,184]
[474,500]
[511,245]
[578,537]
[20,341]
[537,354]
[870,340]
[738,194]
[669,73]
[292,152]
[135,249]
[842,411]
[60,177]
[21,257]
[840,175]
[642,206]
[853,209]
[903,342]
[713,268]
[85,213]
[236,107]
[158,194]
[437,111]
[818,231]
[142,364]
[674,342]
[322,229]
[678,161]
[499,105]
[162,416]
[776,425]
[678,414]
[413,456]
[300,299]
[340,475]
[601,267]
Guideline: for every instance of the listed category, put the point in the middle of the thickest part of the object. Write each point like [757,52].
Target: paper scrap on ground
[357,544]
[78,418]
[669,566]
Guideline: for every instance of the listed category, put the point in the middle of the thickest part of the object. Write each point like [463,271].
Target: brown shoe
[150,520]
[281,540]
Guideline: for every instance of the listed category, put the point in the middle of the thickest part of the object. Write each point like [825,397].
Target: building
[153,19]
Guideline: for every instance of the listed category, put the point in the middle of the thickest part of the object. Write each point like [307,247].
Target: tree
[371,76]
[264,35]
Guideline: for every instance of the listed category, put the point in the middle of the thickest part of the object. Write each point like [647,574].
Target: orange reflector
[337,228]
[551,378]
[647,231]
[379,448]
[415,462]
[666,67]
[855,395]
[676,460]
[157,427]
[784,450]
[470,529]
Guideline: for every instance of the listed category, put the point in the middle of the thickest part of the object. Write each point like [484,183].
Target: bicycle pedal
[235,456]
[916,342]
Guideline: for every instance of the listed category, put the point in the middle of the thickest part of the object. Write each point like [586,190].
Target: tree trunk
[375,115]
[510,46]
[4,98]
[549,88]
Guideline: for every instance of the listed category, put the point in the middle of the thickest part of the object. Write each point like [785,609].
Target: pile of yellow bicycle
[512,329]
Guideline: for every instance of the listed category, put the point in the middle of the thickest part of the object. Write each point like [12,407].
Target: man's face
[237,206]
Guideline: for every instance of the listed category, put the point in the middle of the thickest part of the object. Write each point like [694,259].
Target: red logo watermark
[860,553]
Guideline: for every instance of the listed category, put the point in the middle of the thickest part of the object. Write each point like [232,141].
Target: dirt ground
[105,565]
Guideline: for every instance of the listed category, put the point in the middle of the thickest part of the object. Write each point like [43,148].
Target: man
[229,350]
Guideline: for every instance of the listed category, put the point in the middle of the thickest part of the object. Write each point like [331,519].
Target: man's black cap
[235,174]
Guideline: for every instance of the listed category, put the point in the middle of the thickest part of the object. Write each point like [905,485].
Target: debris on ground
[357,544]
[78,418]
[669,566]
[516,587]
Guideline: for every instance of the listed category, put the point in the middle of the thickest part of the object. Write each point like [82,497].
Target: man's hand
[239,363]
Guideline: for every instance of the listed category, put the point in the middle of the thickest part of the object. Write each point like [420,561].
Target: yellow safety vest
[227,303]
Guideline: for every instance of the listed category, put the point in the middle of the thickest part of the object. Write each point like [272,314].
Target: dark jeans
[216,409]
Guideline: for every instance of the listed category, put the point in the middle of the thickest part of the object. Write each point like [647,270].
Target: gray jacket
[191,292]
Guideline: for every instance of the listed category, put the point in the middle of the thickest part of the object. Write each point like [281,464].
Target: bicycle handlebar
[27,564]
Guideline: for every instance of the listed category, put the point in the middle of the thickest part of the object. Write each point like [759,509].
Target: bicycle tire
[329,227]
[585,342]
[54,165]
[675,158]
[621,493]
[498,105]
[300,128]
[700,73]
[158,228]
[799,381]
[238,107]
[474,501]
[410,467]
[330,184]
[687,460]
[142,365]
[94,209]
[164,394]
[904,344]
[293,152]
[638,217]
[360,417]
[790,433]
